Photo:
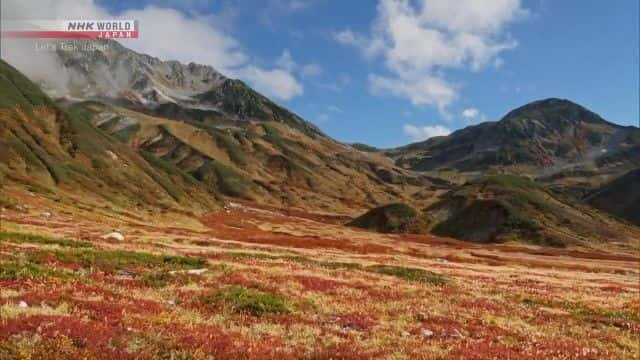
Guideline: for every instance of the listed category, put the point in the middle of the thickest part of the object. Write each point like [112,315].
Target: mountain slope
[547,134]
[215,134]
[499,208]
[52,151]
[392,218]
[109,71]
[620,197]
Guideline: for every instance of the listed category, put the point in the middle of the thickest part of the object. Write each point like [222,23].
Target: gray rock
[426,333]
[114,235]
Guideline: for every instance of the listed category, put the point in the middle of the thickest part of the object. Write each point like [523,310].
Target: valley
[159,210]
[252,282]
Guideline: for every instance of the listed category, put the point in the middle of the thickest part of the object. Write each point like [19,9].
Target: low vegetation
[392,218]
[21,238]
[411,274]
[112,260]
[255,284]
[23,270]
[240,299]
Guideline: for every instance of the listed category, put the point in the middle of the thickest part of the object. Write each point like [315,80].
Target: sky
[390,72]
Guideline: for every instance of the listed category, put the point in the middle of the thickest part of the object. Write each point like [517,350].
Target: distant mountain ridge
[111,72]
[542,134]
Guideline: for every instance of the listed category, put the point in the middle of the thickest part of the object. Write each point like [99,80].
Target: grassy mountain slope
[500,208]
[264,161]
[504,207]
[53,151]
[620,197]
[392,218]
[130,158]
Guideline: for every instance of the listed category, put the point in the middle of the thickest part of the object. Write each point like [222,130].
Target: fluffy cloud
[311,70]
[336,86]
[470,113]
[193,38]
[419,43]
[205,45]
[427,90]
[276,82]
[419,133]
[286,61]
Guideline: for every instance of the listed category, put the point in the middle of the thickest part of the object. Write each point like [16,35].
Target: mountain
[56,153]
[136,132]
[497,208]
[543,136]
[108,71]
[392,218]
[181,135]
[501,208]
[620,197]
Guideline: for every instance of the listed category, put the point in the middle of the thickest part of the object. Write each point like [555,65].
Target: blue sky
[350,68]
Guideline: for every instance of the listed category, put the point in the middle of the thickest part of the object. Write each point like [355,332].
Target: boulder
[114,235]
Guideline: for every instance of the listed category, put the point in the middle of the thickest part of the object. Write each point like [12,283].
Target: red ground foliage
[356,321]
[91,336]
[314,283]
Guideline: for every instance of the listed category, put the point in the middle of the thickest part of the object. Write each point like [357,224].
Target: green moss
[297,259]
[127,133]
[99,164]
[20,238]
[26,270]
[364,147]
[25,152]
[392,218]
[240,299]
[232,148]
[510,182]
[223,178]
[112,260]
[156,279]
[168,167]
[338,265]
[411,274]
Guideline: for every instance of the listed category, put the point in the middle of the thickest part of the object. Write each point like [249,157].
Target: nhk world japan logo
[71,29]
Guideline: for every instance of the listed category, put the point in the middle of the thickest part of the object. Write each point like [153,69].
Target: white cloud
[348,37]
[424,91]
[193,38]
[470,113]
[419,133]
[419,43]
[205,45]
[311,70]
[336,86]
[285,61]
[276,82]
[334,109]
